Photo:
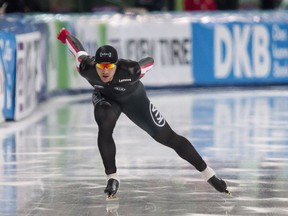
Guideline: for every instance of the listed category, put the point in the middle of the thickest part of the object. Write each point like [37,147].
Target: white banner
[28,67]
[2,91]
[52,59]
[167,41]
[89,35]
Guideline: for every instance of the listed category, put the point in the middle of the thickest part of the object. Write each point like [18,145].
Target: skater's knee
[174,141]
[106,126]
[105,117]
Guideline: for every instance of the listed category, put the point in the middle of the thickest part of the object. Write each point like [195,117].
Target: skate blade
[227,192]
[112,198]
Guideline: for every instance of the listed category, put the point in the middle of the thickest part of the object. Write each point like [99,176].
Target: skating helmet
[106,53]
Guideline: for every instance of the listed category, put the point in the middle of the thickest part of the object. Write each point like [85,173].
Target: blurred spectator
[192,5]
[3,7]
[283,4]
[227,4]
[269,4]
[97,5]
[36,6]
[259,4]
[62,6]
[249,4]
[13,6]
[21,6]
[150,5]
[170,5]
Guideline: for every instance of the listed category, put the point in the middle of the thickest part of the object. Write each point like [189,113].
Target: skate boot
[111,189]
[219,184]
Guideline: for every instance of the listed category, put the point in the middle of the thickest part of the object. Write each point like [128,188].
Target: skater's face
[106,71]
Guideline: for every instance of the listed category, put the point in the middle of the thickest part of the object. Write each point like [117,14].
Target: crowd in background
[79,6]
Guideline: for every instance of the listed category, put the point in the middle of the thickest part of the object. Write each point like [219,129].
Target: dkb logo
[242,50]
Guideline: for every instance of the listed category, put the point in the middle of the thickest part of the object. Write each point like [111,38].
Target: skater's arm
[137,69]
[146,64]
[73,44]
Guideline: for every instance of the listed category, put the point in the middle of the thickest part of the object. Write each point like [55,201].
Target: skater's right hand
[62,35]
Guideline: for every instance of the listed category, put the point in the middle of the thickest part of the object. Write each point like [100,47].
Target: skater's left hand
[62,35]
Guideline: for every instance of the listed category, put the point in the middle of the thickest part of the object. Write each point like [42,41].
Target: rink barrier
[2,94]
[190,49]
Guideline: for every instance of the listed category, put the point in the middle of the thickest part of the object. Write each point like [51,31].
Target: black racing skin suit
[126,93]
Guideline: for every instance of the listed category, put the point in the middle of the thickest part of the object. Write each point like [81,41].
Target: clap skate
[111,189]
[219,185]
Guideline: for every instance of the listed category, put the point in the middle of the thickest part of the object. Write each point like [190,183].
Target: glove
[97,98]
[62,35]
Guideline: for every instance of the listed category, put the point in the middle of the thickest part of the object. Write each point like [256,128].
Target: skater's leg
[186,151]
[106,114]
[144,114]
[181,145]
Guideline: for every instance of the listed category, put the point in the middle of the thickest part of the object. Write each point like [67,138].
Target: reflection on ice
[50,164]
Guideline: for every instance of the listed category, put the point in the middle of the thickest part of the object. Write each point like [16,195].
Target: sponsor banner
[52,58]
[28,67]
[67,76]
[2,89]
[65,62]
[59,60]
[240,53]
[7,68]
[41,81]
[91,35]
[168,42]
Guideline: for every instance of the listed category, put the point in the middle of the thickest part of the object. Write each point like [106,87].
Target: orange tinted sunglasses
[108,66]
